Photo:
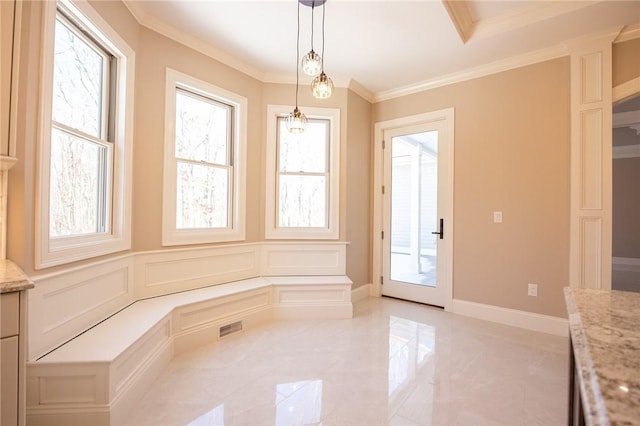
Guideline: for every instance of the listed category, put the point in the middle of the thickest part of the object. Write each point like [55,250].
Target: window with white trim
[84,186]
[204,174]
[303,176]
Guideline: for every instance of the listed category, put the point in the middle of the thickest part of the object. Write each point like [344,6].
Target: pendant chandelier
[322,85]
[297,121]
[312,64]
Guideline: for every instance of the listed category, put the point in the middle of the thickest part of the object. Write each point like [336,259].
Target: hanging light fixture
[322,85]
[311,63]
[297,121]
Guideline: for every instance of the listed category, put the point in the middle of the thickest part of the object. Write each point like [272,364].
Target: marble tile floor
[394,363]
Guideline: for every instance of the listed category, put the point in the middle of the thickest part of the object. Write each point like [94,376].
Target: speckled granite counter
[605,334]
[12,278]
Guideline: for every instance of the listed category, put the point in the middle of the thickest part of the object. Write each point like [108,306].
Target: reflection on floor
[395,363]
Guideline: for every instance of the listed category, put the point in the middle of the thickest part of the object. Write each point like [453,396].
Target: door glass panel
[414,196]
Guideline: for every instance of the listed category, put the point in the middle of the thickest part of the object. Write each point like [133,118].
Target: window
[86,146]
[205,138]
[303,176]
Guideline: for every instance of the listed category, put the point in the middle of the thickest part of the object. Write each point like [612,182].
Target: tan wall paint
[626,61]
[359,177]
[20,206]
[23,176]
[512,151]
[154,55]
[283,94]
[355,159]
[626,205]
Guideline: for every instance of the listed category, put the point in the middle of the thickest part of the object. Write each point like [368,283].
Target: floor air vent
[234,327]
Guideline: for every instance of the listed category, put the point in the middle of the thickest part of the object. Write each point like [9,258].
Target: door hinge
[383,189]
[382,235]
[381,281]
[383,144]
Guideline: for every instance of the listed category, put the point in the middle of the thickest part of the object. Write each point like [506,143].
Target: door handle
[441,232]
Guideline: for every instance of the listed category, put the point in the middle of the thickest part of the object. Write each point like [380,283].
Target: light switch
[497,217]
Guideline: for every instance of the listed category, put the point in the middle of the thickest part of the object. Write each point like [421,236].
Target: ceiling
[382,48]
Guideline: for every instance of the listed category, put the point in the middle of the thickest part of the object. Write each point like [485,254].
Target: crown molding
[460,17]
[629,32]
[481,71]
[606,36]
[525,16]
[188,40]
[462,20]
[361,91]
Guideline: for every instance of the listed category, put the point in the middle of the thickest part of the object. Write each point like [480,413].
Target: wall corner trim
[361,293]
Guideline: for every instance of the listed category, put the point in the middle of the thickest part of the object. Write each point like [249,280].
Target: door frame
[447,115]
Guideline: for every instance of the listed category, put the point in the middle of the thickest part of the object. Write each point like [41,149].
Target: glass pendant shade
[311,63]
[296,121]
[322,86]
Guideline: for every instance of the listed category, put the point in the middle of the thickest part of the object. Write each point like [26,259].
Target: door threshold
[413,301]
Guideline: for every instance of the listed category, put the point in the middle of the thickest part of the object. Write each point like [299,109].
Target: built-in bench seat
[98,376]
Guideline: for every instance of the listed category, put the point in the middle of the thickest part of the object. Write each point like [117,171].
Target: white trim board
[626,151]
[625,264]
[522,319]
[361,293]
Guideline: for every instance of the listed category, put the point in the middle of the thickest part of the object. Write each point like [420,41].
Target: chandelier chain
[321,57]
[297,55]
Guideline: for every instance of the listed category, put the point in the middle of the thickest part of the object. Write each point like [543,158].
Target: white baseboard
[527,320]
[625,264]
[361,293]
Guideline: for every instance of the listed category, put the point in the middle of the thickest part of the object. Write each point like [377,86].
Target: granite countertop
[605,333]
[12,278]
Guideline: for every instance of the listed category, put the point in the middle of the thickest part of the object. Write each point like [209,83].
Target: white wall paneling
[591,161]
[168,271]
[303,259]
[97,377]
[68,302]
[312,297]
[65,304]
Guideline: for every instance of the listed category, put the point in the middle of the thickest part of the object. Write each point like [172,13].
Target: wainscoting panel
[204,313]
[170,271]
[303,259]
[591,256]
[65,304]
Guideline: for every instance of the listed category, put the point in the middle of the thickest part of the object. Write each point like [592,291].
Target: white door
[417,213]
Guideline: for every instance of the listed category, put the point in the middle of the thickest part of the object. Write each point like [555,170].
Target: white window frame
[236,232]
[272,230]
[62,250]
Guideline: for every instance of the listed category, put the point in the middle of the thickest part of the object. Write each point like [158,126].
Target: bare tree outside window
[204,163]
[80,151]
[303,175]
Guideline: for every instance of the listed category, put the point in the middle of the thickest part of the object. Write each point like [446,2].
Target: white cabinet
[9,381]
[12,371]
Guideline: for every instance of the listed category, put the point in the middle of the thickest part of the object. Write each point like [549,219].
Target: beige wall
[284,94]
[358,180]
[626,207]
[22,177]
[512,145]
[626,61]
[355,163]
[154,53]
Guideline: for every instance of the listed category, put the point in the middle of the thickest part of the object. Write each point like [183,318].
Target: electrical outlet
[532,290]
[497,217]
